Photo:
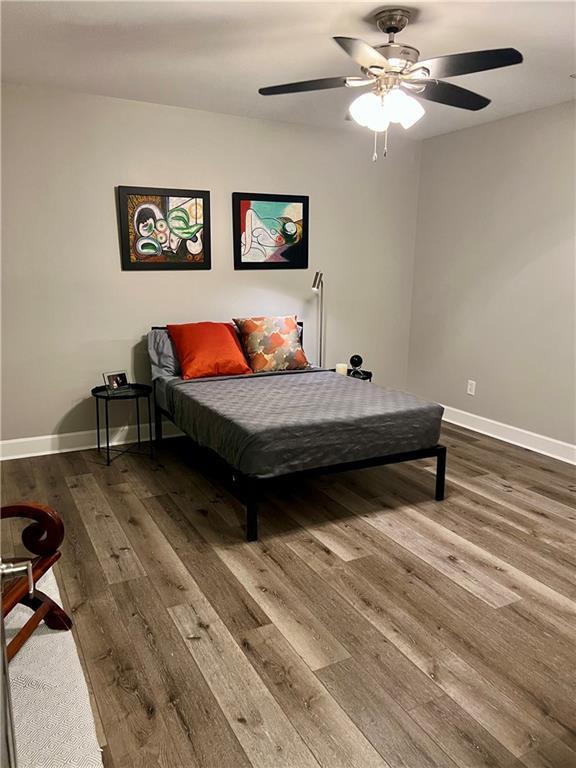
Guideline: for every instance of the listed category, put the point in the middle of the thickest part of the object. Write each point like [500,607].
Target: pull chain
[375,153]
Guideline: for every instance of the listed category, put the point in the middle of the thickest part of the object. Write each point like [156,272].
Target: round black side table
[131,392]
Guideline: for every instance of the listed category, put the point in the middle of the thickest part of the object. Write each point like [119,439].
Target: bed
[288,423]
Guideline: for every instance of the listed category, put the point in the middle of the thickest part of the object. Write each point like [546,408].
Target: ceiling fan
[395,76]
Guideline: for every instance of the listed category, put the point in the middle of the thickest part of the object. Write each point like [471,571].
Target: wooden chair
[42,538]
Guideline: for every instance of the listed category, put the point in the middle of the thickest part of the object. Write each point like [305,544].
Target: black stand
[132,392]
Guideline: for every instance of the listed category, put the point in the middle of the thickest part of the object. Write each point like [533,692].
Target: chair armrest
[45,534]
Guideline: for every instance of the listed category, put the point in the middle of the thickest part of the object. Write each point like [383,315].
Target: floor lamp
[318,287]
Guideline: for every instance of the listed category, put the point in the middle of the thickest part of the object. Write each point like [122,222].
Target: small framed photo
[116,380]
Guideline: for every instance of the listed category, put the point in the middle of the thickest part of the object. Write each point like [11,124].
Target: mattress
[270,425]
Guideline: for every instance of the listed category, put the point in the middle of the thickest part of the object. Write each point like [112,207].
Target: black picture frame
[299,257]
[182,260]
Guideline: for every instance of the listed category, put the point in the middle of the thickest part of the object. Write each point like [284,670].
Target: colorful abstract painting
[270,231]
[164,228]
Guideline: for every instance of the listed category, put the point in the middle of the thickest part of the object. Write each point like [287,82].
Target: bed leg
[157,424]
[251,502]
[440,472]
[251,520]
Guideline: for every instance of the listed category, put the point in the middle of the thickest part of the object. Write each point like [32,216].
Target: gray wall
[70,313]
[494,282]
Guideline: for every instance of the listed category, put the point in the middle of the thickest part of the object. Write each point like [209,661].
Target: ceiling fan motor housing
[399,57]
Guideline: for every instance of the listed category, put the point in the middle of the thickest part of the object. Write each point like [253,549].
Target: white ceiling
[214,55]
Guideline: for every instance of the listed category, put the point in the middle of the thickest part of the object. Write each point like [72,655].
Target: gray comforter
[272,425]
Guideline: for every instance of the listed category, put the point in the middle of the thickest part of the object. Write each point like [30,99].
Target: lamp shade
[317,282]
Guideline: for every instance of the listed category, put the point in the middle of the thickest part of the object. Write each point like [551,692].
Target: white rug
[52,714]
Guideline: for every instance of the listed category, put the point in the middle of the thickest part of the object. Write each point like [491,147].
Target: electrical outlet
[471,387]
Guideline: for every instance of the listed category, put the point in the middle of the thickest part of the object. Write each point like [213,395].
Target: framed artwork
[164,228]
[270,231]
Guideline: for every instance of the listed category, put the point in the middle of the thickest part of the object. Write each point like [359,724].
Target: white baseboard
[23,447]
[548,446]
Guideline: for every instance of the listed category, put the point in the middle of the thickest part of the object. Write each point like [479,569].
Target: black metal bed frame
[248,488]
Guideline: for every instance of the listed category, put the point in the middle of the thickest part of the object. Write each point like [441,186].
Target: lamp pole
[318,287]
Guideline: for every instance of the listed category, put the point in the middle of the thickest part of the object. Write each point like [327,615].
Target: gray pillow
[162,353]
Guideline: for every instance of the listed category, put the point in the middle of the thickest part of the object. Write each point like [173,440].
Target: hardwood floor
[370,627]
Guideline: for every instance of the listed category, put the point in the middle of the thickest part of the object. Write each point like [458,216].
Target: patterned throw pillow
[272,343]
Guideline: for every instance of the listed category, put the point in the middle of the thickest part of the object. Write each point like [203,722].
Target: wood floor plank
[394,673]
[507,459]
[143,476]
[477,569]
[317,514]
[388,616]
[74,462]
[157,558]
[484,638]
[328,732]
[524,551]
[227,595]
[452,561]
[529,503]
[100,734]
[186,484]
[193,718]
[493,710]
[498,516]
[565,495]
[133,725]
[309,638]
[382,720]
[95,464]
[553,754]
[261,727]
[19,478]
[311,551]
[467,743]
[113,549]
[81,570]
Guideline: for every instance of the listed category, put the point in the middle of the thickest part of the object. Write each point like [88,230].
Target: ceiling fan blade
[446,93]
[465,63]
[309,85]
[362,53]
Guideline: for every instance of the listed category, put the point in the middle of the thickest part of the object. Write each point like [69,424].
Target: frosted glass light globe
[368,110]
[402,108]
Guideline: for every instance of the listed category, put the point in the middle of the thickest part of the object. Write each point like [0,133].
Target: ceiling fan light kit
[377,111]
[399,80]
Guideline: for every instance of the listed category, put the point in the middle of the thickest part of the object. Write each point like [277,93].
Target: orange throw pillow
[208,349]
